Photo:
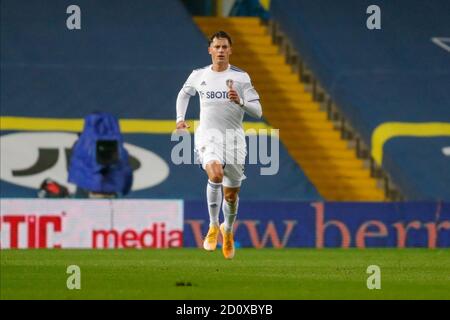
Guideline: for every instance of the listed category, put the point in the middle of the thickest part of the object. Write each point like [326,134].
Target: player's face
[220,51]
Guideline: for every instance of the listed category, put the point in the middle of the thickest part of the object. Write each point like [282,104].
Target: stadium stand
[129,59]
[120,53]
[394,75]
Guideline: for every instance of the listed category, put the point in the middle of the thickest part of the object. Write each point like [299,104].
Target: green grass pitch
[253,274]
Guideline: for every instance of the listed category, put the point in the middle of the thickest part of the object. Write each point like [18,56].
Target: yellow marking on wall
[389,130]
[219,8]
[126,125]
[265,4]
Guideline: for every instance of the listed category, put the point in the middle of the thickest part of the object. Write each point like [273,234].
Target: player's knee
[230,197]
[215,174]
[216,177]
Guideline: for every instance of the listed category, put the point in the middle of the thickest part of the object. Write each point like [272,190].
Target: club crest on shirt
[229,83]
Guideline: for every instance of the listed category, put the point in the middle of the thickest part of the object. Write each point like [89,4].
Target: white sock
[230,213]
[214,197]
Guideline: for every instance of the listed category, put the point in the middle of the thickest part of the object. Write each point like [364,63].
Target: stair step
[311,168]
[334,174]
[301,125]
[252,21]
[303,146]
[268,59]
[345,196]
[317,136]
[252,50]
[286,89]
[321,175]
[307,150]
[298,144]
[305,114]
[234,32]
[347,182]
[280,78]
[295,123]
[335,163]
[252,39]
[368,194]
[329,154]
[300,102]
[254,68]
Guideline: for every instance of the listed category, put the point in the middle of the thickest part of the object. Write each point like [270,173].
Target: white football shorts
[232,160]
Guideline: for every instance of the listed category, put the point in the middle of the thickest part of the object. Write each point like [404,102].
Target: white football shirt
[217,113]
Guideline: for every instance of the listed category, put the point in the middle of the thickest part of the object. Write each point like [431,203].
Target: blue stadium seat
[430,170]
[376,76]
[137,49]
